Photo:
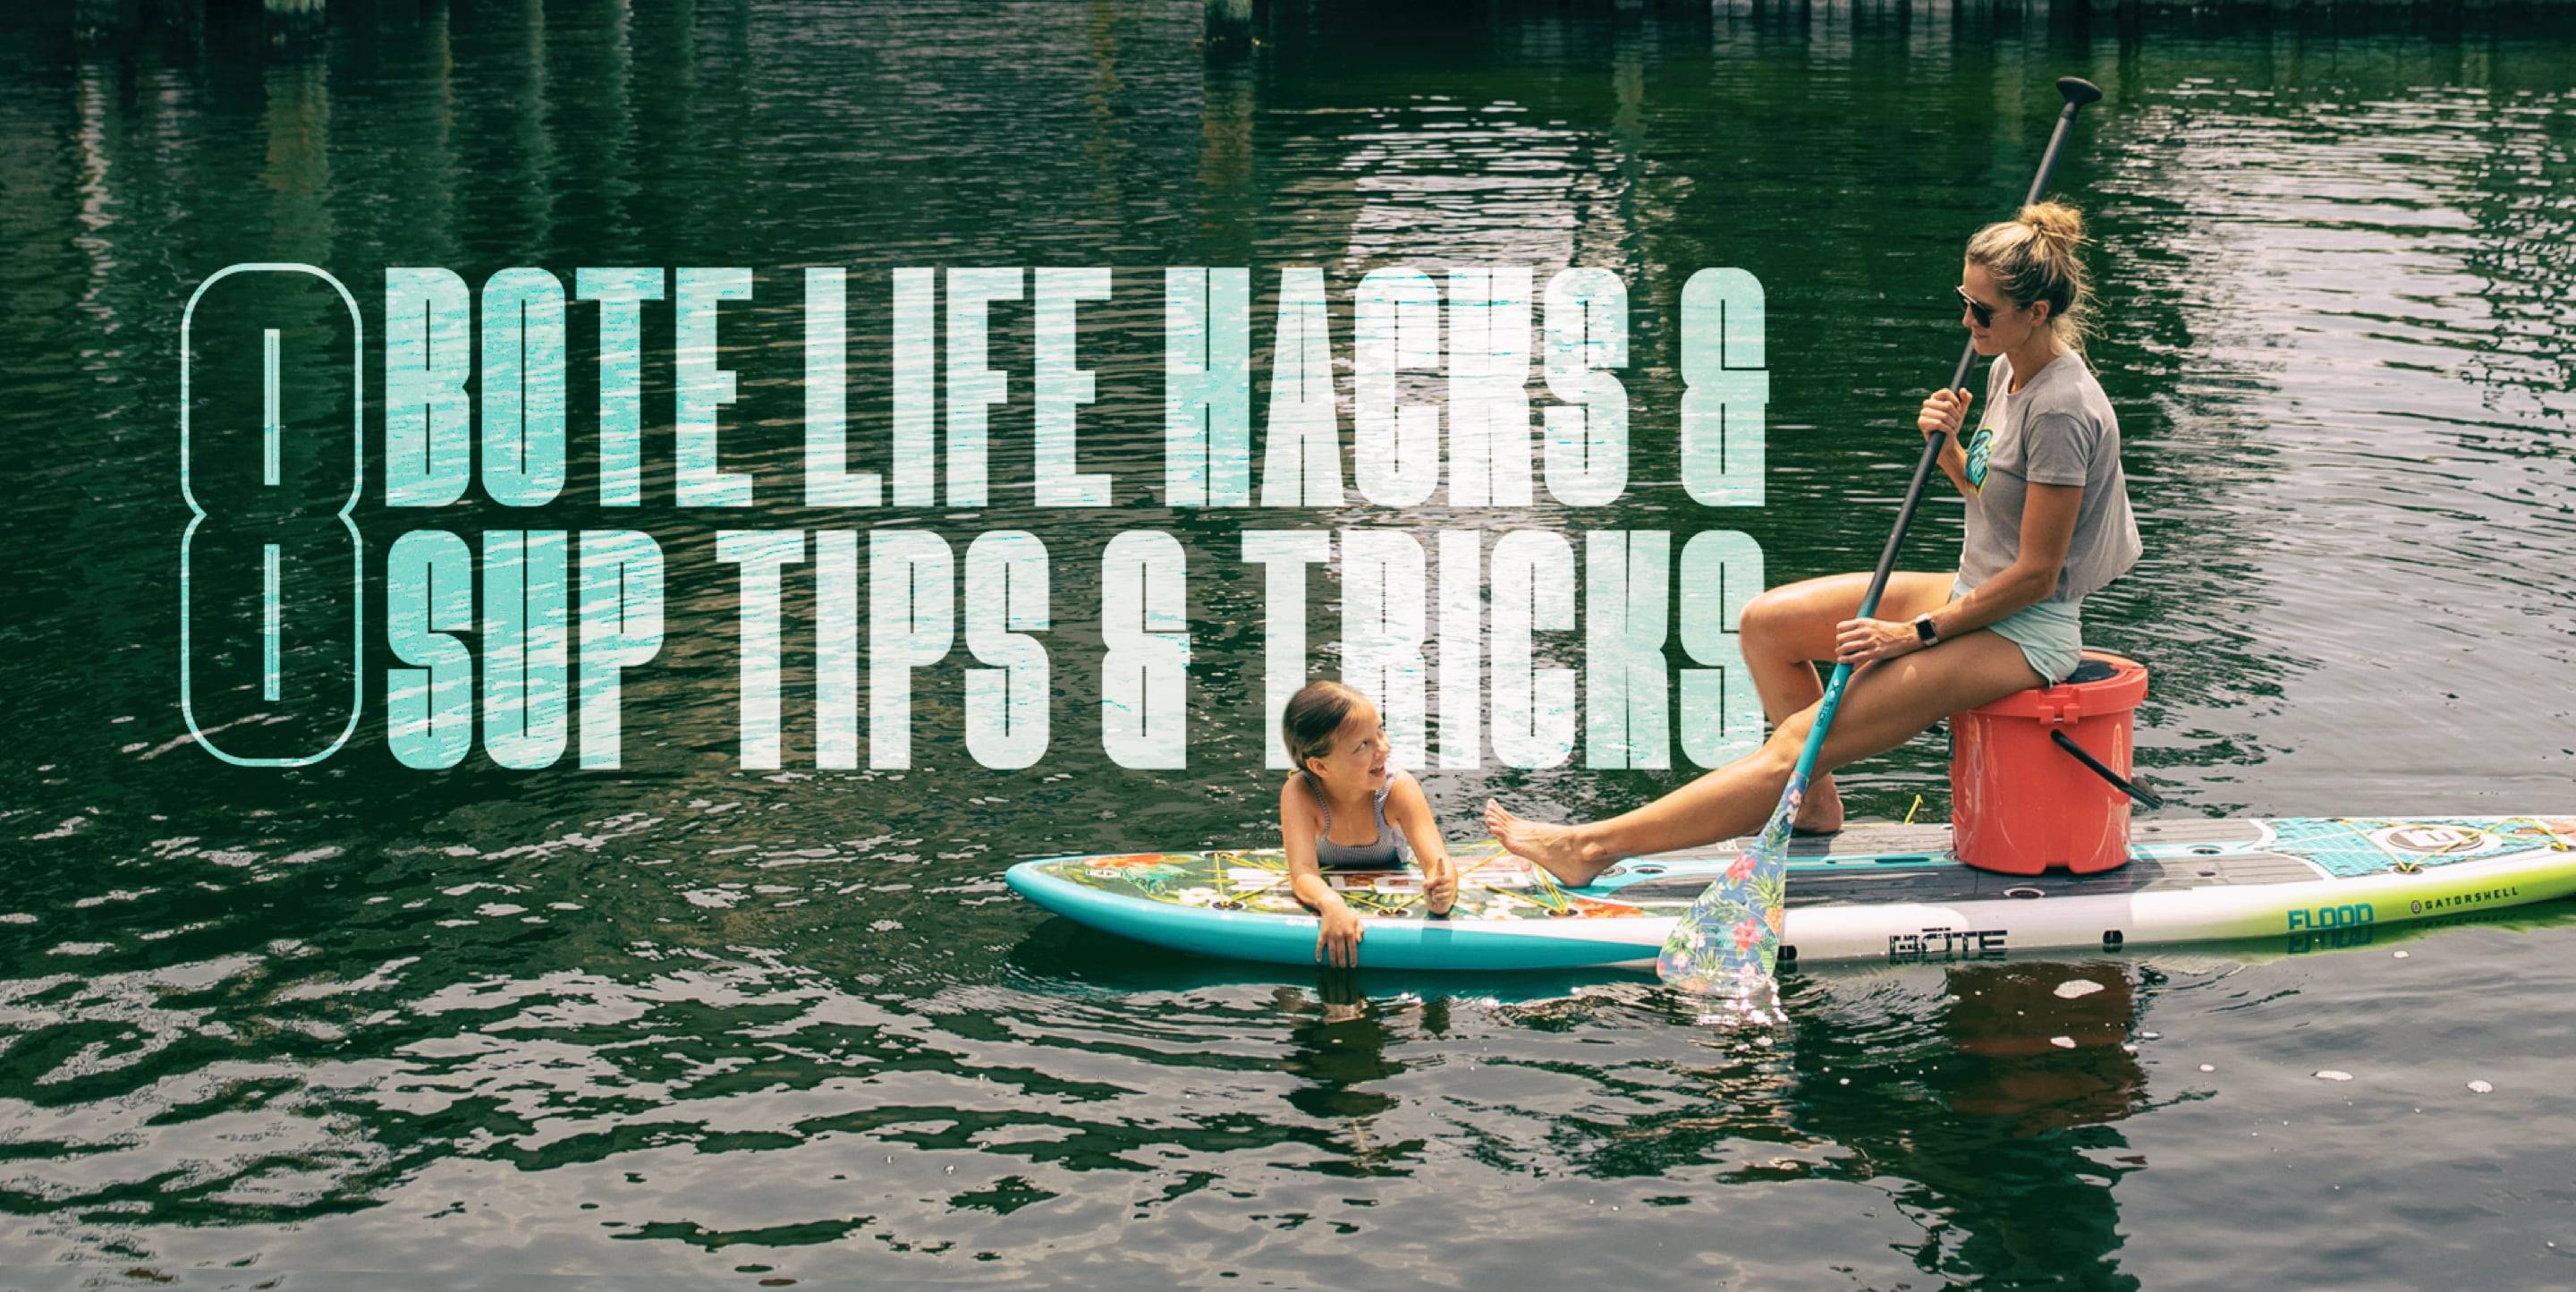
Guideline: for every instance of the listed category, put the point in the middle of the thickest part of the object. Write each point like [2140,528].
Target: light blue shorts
[2050,634]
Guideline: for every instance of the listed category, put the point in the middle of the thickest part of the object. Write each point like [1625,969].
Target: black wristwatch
[1924,632]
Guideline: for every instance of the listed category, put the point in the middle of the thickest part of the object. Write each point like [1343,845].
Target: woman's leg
[1785,628]
[1885,705]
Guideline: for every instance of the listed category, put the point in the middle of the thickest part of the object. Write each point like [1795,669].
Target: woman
[2048,524]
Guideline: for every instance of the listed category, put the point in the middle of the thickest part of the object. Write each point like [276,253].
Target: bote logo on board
[2435,839]
[1947,944]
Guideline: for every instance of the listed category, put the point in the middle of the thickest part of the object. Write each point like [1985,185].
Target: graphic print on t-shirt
[1980,448]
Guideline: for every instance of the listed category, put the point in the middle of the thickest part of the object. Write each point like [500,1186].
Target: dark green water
[690,1023]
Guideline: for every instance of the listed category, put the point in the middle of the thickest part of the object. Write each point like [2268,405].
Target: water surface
[694,1024]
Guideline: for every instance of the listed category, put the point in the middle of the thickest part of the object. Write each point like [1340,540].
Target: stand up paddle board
[1874,892]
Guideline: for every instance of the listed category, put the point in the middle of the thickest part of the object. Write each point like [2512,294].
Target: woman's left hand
[1859,641]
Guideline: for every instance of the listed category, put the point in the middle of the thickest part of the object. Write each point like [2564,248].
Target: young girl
[1345,807]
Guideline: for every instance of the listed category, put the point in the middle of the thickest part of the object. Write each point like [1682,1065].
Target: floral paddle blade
[1729,942]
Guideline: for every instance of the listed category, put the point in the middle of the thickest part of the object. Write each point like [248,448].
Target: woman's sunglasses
[1982,312]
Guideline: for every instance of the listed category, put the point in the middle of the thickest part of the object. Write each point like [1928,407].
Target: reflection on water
[685,1022]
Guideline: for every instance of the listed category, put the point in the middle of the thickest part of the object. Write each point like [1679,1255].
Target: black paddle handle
[2122,783]
[2077,92]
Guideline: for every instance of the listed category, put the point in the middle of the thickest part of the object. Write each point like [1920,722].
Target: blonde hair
[1307,725]
[2032,258]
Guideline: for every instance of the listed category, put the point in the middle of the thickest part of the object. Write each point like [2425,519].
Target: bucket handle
[2144,797]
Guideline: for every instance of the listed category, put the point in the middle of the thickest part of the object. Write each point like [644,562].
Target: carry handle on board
[2124,784]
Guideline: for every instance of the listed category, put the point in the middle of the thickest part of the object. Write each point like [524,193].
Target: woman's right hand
[1339,943]
[1944,410]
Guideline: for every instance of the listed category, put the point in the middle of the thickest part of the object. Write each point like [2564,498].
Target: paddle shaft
[1932,446]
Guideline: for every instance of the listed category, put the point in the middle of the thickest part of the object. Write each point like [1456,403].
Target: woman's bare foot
[1821,811]
[1559,849]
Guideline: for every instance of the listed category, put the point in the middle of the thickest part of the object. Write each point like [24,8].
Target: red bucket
[2022,802]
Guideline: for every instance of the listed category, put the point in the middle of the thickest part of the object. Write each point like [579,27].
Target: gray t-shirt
[2058,429]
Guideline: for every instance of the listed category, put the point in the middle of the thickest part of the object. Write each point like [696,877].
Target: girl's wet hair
[2032,258]
[1307,725]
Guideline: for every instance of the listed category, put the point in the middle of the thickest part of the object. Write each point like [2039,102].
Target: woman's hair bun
[2055,221]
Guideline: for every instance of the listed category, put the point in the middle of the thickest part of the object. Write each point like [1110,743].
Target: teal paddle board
[1886,893]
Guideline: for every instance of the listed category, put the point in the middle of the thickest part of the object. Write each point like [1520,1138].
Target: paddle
[1730,939]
